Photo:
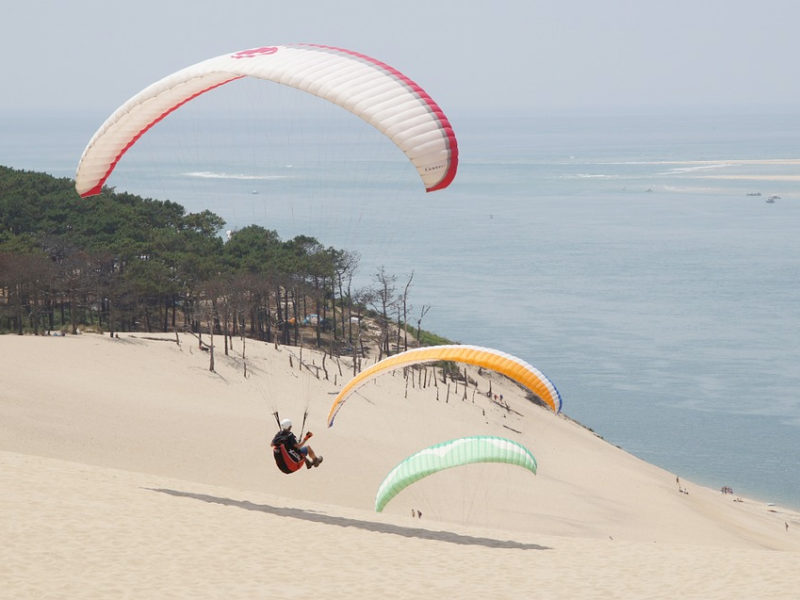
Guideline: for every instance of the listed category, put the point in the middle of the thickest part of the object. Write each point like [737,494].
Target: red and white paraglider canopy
[370,89]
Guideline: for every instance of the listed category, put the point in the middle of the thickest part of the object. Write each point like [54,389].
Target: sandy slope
[127,468]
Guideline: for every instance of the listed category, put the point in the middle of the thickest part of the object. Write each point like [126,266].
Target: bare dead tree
[399,328]
[210,318]
[344,268]
[383,300]
[422,312]
[244,359]
[406,308]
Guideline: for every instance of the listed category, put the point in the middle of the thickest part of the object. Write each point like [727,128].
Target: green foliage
[119,261]
[428,338]
[116,261]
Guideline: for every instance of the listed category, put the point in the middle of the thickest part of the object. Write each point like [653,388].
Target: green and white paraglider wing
[453,453]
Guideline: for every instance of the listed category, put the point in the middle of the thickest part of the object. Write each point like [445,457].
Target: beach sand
[128,469]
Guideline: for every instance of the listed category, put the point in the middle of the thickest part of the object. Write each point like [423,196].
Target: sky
[520,56]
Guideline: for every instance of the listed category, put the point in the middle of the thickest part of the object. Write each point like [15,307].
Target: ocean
[648,264]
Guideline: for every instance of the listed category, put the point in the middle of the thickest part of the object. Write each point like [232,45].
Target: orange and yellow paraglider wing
[495,360]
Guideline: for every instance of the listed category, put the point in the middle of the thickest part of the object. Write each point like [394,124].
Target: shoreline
[128,467]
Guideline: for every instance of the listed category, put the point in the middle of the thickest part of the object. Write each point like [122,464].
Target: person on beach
[298,450]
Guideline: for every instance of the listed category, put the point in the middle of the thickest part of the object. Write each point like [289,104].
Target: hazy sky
[524,55]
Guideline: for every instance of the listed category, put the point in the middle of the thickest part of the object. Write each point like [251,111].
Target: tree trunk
[211,344]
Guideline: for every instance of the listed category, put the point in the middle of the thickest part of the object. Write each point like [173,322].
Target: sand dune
[129,469]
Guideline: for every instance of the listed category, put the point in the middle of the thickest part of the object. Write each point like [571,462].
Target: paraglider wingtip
[92,192]
[440,186]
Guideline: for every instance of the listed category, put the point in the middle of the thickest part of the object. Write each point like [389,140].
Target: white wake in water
[239,176]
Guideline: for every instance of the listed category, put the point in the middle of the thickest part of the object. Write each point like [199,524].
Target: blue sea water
[625,256]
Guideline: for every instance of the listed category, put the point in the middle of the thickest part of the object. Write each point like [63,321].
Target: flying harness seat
[288,460]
